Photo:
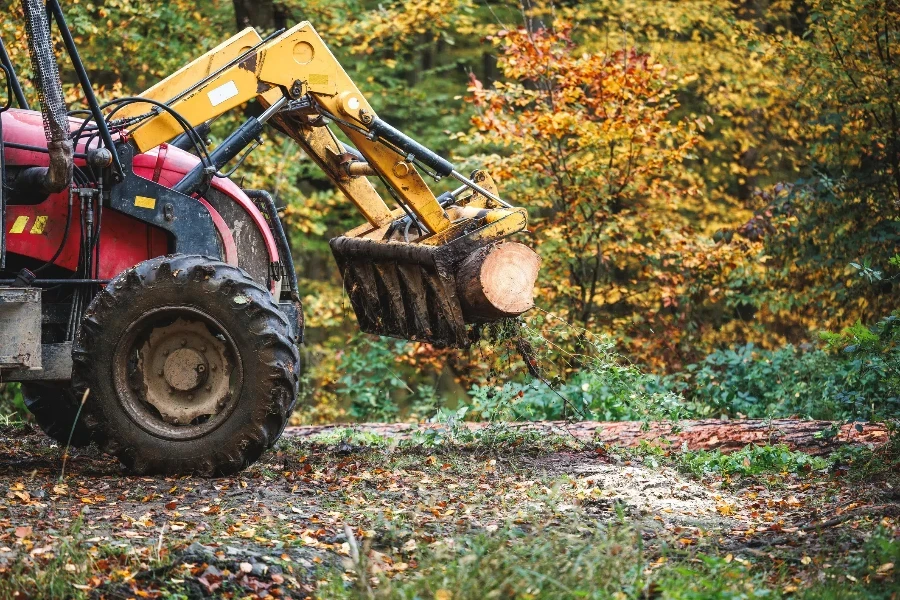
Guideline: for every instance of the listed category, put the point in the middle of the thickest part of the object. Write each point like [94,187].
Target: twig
[72,432]
[359,563]
[162,531]
[885,510]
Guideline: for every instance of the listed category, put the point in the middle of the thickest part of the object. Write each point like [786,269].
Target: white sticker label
[222,93]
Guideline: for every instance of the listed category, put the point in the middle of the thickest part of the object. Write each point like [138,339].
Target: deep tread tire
[271,365]
[55,407]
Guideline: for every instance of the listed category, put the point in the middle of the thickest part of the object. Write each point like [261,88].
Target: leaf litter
[313,512]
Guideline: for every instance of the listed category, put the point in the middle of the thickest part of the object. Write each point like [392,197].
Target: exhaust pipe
[58,176]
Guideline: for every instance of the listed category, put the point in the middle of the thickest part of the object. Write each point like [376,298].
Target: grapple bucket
[414,290]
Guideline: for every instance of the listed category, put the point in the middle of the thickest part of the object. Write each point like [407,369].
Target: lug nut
[159,372]
[200,368]
[208,388]
[174,421]
[190,396]
[202,348]
[184,342]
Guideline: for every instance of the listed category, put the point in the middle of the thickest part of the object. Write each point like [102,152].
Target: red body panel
[124,241]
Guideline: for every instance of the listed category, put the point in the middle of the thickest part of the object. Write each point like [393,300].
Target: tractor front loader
[150,305]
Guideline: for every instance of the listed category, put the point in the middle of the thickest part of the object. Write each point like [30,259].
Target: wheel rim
[177,372]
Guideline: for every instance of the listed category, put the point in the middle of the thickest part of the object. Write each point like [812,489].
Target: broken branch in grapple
[140,277]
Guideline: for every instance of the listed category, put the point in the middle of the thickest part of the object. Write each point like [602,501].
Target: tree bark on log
[497,281]
[708,434]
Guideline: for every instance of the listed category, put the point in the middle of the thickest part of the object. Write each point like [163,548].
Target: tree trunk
[498,281]
[708,434]
[265,15]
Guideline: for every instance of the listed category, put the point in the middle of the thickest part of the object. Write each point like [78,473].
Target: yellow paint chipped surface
[40,223]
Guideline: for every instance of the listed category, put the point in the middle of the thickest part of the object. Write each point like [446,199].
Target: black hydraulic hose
[13,78]
[281,242]
[54,7]
[184,141]
[224,152]
[188,129]
[38,149]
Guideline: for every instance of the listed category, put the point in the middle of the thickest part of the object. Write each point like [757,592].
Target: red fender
[37,230]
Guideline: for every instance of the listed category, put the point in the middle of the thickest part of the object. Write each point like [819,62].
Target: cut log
[707,434]
[497,281]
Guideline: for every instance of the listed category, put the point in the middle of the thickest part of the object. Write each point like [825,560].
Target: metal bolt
[184,343]
[159,372]
[190,396]
[213,367]
[208,388]
[200,368]
[174,421]
[202,348]
[165,352]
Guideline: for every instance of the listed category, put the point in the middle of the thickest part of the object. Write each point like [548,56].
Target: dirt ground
[296,519]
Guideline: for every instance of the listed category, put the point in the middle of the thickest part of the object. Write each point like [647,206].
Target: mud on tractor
[150,305]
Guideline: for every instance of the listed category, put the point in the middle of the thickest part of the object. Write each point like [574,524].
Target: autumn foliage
[591,141]
[700,175]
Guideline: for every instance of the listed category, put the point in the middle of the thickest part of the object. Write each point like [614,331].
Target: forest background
[713,186]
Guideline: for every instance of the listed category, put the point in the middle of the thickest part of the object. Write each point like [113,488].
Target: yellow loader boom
[424,270]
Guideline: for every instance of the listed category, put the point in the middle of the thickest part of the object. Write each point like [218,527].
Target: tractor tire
[190,367]
[55,409]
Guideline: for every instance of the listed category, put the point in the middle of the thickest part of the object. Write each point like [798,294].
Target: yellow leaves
[725,509]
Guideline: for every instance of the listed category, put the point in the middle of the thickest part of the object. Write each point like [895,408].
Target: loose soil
[281,527]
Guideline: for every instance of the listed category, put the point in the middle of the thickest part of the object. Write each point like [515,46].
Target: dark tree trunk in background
[264,15]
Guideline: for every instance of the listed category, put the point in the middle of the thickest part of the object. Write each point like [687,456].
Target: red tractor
[150,305]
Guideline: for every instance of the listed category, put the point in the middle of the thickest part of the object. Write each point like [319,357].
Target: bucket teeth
[400,290]
[409,289]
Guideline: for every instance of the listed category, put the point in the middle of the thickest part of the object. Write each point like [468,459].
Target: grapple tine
[410,289]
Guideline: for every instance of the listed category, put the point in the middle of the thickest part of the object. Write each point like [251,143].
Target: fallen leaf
[23,531]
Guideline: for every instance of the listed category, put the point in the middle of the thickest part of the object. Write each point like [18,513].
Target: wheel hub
[185,369]
[185,372]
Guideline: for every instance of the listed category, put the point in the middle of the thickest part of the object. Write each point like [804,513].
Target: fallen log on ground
[707,434]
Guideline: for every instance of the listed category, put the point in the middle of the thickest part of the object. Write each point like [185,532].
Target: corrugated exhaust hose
[58,175]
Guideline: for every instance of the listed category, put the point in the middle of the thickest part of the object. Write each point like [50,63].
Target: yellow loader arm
[397,286]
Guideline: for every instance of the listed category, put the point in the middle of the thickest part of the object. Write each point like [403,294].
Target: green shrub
[856,377]
[12,406]
[604,387]
[750,460]
[374,383]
